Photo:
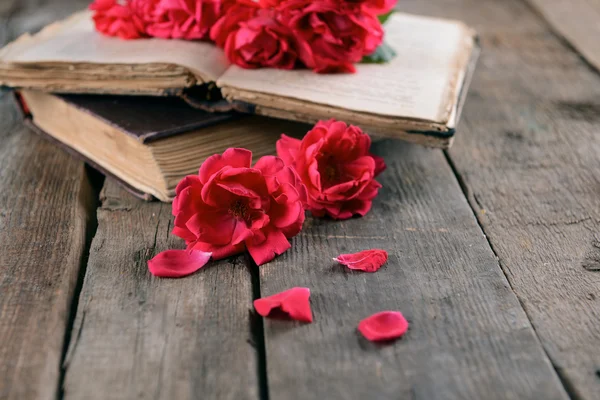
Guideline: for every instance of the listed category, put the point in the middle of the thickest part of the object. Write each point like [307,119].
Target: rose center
[332,174]
[239,209]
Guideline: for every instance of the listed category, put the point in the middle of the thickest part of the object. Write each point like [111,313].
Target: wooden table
[494,256]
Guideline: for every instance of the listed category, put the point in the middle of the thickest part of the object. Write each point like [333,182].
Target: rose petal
[274,244]
[287,149]
[177,263]
[218,252]
[367,260]
[269,165]
[379,164]
[385,325]
[294,302]
[232,157]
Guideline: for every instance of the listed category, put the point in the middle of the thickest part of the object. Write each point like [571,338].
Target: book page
[75,40]
[418,83]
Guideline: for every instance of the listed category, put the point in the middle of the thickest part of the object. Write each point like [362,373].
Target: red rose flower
[144,10]
[261,42]
[332,35]
[114,19]
[334,162]
[231,206]
[377,7]
[184,19]
[230,21]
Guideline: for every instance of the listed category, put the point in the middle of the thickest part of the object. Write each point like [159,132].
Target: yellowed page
[421,82]
[76,41]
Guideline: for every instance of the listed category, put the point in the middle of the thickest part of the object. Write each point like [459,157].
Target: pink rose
[261,42]
[334,162]
[184,19]
[230,206]
[230,21]
[332,35]
[114,19]
[144,10]
[377,7]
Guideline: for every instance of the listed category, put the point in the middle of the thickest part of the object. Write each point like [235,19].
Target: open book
[417,96]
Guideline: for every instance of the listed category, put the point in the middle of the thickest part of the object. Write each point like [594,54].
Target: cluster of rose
[232,206]
[323,35]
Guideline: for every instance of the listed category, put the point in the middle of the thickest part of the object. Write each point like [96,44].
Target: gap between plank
[91,199]
[471,199]
[258,333]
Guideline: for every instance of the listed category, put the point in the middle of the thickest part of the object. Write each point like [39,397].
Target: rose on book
[323,35]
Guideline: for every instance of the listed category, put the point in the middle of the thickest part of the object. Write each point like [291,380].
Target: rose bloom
[334,162]
[261,42]
[332,35]
[377,7]
[230,21]
[184,19]
[114,19]
[144,10]
[230,206]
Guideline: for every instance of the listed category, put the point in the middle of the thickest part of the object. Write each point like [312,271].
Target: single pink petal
[177,263]
[218,252]
[275,243]
[287,149]
[232,157]
[293,302]
[366,260]
[379,164]
[186,182]
[385,325]
[269,165]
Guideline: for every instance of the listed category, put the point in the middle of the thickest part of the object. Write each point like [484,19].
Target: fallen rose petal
[293,302]
[367,260]
[385,325]
[177,263]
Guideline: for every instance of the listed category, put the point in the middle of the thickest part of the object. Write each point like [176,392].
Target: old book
[147,143]
[417,96]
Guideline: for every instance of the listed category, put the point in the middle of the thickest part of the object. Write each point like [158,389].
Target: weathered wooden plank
[528,152]
[44,209]
[578,21]
[469,338]
[45,204]
[136,336]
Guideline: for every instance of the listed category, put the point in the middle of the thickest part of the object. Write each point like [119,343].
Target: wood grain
[578,21]
[136,336]
[44,209]
[45,203]
[528,152]
[469,338]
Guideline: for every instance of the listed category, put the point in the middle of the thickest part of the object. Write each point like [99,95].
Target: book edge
[28,121]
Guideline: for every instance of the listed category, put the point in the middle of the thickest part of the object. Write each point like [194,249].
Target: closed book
[147,143]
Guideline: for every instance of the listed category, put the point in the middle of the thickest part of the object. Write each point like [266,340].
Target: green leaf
[384,17]
[383,54]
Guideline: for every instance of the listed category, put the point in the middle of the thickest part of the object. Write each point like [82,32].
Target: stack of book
[148,112]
